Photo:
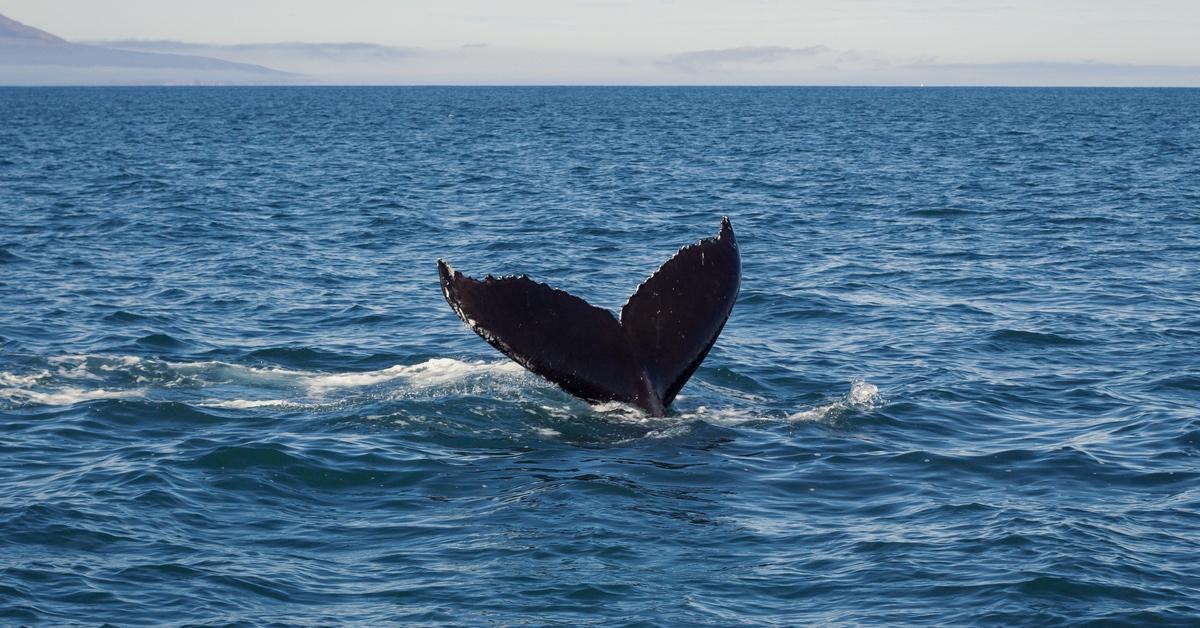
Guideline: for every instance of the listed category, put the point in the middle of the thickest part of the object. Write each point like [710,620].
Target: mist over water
[960,384]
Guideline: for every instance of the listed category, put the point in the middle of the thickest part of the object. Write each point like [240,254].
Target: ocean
[960,385]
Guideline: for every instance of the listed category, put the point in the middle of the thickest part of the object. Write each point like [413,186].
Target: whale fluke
[666,328]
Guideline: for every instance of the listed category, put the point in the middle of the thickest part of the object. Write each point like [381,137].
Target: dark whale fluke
[665,330]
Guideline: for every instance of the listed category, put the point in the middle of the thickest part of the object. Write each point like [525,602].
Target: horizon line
[603,85]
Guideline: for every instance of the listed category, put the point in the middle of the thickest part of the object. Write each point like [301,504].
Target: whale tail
[665,330]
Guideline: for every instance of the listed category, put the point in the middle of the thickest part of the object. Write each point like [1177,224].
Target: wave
[7,256]
[1033,338]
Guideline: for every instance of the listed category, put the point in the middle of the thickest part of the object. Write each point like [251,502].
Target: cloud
[346,51]
[703,61]
[476,64]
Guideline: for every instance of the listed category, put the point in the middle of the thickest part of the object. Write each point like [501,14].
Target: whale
[642,357]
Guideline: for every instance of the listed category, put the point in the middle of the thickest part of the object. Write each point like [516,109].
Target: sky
[665,41]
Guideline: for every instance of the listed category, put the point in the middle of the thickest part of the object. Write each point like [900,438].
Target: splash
[863,395]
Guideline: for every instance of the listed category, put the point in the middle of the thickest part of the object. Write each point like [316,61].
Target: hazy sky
[962,31]
[1030,42]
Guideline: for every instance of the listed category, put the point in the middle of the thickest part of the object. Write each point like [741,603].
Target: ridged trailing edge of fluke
[644,358]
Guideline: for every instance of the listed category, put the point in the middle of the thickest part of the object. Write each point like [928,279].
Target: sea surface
[961,384]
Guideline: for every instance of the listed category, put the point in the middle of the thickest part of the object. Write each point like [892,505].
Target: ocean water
[961,384]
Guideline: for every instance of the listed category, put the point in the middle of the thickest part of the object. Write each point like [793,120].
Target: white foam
[223,372]
[79,371]
[64,396]
[670,431]
[863,395]
[433,373]
[67,384]
[22,381]
[124,361]
[40,388]
[243,404]
[318,384]
[624,411]
[727,417]
[236,386]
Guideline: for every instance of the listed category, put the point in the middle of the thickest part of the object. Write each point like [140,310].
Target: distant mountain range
[29,56]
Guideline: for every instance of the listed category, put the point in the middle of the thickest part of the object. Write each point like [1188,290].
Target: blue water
[960,385]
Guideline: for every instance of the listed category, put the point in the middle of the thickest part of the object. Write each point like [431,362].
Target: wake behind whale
[643,358]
